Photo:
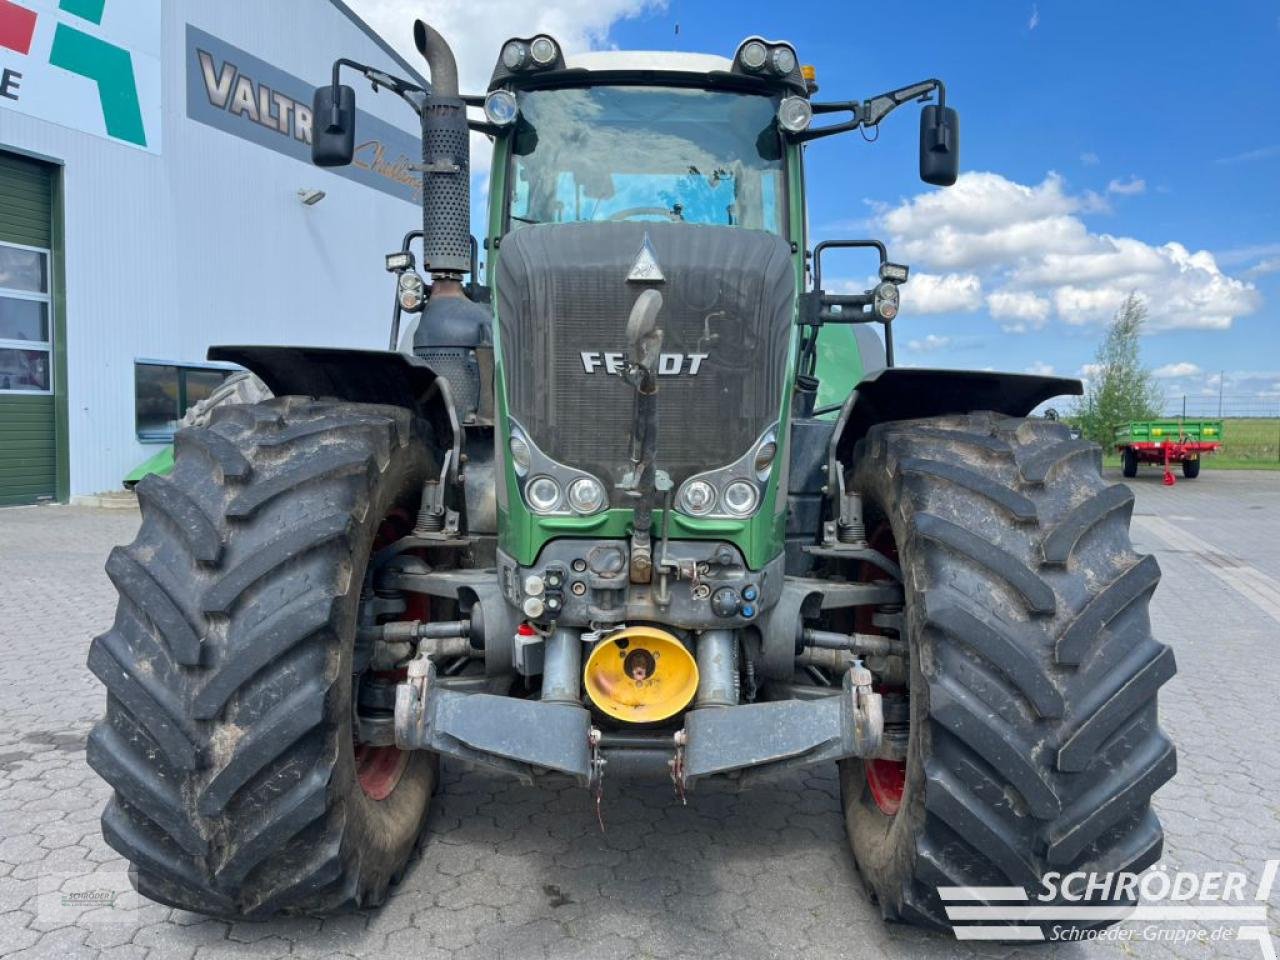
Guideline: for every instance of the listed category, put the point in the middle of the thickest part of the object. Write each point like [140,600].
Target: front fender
[909,393]
[357,376]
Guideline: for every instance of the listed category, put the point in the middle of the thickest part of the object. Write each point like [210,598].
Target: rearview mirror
[939,145]
[333,126]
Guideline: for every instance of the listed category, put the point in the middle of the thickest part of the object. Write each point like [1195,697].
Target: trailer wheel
[1033,744]
[230,670]
[1129,463]
[1191,468]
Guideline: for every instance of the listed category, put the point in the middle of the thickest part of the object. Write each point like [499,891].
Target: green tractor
[641,500]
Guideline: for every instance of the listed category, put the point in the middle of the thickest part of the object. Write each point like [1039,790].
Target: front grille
[728,294]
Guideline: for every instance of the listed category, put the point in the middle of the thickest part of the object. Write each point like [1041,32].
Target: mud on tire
[1034,742]
[227,737]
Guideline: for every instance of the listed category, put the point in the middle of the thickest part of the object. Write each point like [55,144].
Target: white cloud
[476,37]
[1270,265]
[942,293]
[1127,188]
[1040,368]
[1261,153]
[1171,370]
[929,344]
[1089,159]
[1089,370]
[1035,17]
[1026,310]
[1031,240]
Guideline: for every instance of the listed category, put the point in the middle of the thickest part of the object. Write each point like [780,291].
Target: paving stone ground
[524,872]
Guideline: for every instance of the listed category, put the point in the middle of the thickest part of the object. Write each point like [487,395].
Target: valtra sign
[91,65]
[234,91]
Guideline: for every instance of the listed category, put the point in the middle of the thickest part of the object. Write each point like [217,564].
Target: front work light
[500,108]
[794,114]
[894,272]
[544,51]
[783,60]
[514,54]
[754,54]
[397,262]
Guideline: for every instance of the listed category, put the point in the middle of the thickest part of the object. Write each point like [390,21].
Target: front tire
[1033,739]
[229,668]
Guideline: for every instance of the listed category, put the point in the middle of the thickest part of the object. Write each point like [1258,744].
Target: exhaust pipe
[446,165]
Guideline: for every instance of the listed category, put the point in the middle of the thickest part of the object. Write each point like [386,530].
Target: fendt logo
[669,364]
[47,51]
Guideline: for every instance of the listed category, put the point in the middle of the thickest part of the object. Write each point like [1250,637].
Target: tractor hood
[564,292]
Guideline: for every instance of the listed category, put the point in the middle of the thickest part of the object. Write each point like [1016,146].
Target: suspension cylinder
[562,667]
[717,669]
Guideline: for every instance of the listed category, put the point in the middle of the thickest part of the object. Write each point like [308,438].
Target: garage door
[28,445]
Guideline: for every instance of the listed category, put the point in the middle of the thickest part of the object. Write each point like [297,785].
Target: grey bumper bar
[522,737]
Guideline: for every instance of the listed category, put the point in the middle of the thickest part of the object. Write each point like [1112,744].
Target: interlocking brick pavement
[524,872]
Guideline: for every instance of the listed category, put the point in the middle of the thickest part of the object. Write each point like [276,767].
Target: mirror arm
[877,108]
[410,93]
[868,113]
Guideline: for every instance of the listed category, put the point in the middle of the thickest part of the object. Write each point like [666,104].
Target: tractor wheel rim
[379,769]
[885,781]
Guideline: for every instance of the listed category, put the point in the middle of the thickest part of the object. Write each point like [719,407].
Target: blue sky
[1109,146]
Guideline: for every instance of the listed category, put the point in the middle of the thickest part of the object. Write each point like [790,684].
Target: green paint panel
[28,451]
[28,443]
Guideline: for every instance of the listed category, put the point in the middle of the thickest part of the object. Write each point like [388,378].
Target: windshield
[647,153]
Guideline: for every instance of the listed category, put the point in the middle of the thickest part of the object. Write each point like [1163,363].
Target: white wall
[208,243]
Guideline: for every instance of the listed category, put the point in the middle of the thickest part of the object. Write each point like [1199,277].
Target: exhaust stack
[446,173]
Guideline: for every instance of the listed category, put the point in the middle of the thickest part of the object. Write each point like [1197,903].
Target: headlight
[586,495]
[794,114]
[697,498]
[886,300]
[784,60]
[412,291]
[500,108]
[741,498]
[754,54]
[543,494]
[764,457]
[514,55]
[543,50]
[521,457]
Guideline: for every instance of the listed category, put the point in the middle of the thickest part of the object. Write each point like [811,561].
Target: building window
[162,392]
[26,353]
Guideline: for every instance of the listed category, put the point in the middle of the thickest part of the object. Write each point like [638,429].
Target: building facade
[156,198]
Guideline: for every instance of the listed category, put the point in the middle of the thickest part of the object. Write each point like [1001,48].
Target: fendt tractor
[640,499]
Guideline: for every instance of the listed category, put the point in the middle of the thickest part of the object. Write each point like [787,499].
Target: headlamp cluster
[549,487]
[734,491]
[764,57]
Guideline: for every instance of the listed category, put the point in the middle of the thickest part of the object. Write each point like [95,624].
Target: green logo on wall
[109,66]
